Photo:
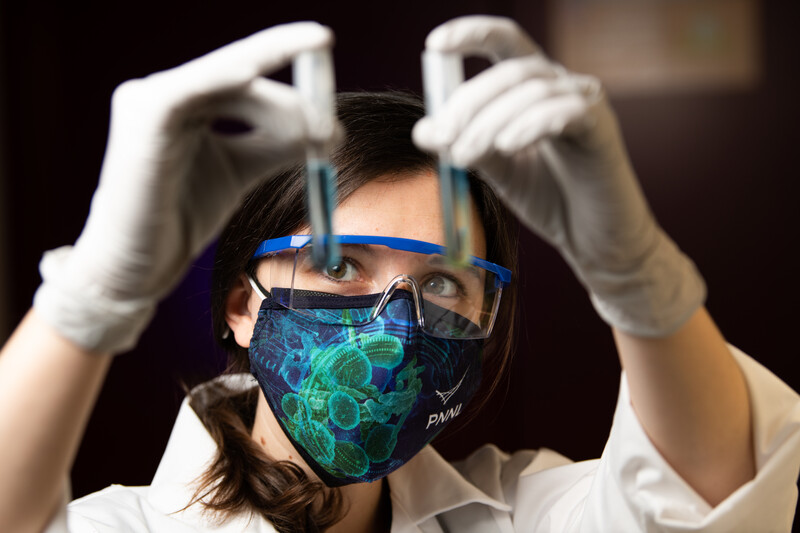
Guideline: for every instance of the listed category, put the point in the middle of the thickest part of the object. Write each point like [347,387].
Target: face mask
[358,402]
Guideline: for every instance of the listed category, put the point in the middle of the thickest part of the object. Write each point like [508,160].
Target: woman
[703,438]
[383,180]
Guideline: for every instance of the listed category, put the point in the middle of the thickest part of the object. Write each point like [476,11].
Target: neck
[369,508]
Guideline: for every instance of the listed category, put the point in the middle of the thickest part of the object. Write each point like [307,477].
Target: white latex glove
[549,144]
[169,181]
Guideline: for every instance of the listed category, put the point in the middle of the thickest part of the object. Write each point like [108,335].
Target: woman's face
[405,206]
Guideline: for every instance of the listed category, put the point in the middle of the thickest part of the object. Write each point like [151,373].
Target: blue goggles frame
[502,274]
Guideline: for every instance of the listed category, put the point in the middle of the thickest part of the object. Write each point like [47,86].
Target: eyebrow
[365,248]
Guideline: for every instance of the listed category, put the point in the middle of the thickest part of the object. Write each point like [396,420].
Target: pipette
[312,74]
[441,74]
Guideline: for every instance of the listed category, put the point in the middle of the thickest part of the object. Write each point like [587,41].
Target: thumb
[425,136]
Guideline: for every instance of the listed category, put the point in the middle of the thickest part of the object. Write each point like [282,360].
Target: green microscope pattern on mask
[337,390]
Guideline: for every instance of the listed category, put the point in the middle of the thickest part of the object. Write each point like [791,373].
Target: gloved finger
[572,114]
[273,113]
[548,118]
[277,124]
[277,133]
[477,93]
[477,140]
[424,135]
[237,64]
[496,38]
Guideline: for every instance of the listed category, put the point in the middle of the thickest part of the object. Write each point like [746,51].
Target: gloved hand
[184,147]
[550,146]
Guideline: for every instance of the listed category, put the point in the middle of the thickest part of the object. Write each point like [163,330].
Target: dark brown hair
[377,144]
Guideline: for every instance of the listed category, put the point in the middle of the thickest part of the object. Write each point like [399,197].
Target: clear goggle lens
[451,301]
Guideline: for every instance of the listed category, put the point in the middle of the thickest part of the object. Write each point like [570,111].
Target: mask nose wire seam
[389,290]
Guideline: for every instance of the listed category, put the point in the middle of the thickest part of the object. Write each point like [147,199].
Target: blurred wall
[717,165]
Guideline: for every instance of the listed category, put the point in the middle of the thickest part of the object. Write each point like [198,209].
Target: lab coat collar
[425,487]
[428,486]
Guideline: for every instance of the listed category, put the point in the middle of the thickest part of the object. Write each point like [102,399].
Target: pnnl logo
[443,416]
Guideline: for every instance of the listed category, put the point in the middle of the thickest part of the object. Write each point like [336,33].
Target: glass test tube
[312,74]
[441,74]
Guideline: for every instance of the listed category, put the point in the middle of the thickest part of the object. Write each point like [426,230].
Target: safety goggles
[451,301]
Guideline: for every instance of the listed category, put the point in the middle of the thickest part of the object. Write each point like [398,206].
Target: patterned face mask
[359,401]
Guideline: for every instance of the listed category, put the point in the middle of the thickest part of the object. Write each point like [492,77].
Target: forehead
[406,206]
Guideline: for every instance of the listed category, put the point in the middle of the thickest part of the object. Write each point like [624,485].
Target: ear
[241,311]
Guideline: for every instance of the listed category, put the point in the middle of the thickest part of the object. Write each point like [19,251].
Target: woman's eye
[440,286]
[341,271]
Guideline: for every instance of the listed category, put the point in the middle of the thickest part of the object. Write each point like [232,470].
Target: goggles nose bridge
[389,290]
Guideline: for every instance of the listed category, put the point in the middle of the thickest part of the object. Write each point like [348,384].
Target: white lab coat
[630,488]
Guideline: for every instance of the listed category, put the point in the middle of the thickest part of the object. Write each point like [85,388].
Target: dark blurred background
[706,92]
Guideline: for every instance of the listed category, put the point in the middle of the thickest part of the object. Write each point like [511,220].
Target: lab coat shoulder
[116,508]
[123,509]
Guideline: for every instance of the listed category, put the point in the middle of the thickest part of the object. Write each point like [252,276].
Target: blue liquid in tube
[454,186]
[320,180]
